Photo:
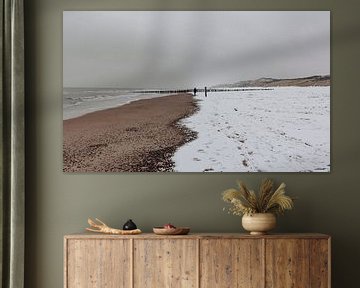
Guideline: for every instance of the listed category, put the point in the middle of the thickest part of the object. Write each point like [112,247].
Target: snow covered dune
[286,129]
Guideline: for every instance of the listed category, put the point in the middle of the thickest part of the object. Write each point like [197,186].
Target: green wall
[58,203]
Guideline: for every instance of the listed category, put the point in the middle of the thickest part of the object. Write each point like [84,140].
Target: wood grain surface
[165,263]
[319,263]
[98,263]
[231,263]
[197,260]
[287,263]
[89,235]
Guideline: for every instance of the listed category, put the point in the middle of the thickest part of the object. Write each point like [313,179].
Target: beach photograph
[196,91]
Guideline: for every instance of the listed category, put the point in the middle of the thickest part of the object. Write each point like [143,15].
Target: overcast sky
[187,49]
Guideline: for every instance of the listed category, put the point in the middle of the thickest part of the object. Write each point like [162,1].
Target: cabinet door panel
[287,263]
[319,263]
[166,263]
[98,263]
[231,263]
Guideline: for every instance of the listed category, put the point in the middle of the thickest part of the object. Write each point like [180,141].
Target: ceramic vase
[259,223]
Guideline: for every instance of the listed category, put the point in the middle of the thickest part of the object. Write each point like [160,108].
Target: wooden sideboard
[197,260]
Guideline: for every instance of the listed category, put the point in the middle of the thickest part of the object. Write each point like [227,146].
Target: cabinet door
[98,263]
[165,263]
[231,263]
[320,263]
[287,263]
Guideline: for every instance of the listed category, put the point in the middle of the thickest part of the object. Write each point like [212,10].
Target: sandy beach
[140,136]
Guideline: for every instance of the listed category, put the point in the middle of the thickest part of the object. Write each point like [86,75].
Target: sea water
[81,101]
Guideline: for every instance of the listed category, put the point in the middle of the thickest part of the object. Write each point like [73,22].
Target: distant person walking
[195,90]
[205,91]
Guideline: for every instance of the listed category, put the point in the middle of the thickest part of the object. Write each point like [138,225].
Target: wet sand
[141,136]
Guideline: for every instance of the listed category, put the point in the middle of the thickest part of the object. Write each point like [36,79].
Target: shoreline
[67,115]
[141,136]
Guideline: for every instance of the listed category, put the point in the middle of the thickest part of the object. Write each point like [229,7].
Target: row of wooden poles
[178,91]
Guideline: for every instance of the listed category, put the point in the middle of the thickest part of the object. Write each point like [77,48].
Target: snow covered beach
[286,129]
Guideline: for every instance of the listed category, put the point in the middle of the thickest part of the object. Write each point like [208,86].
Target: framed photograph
[196,91]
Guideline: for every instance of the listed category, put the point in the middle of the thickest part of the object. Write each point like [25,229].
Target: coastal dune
[141,136]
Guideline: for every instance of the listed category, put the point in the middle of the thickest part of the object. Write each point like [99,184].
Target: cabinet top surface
[87,235]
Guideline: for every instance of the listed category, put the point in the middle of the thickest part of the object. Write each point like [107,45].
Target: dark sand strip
[138,137]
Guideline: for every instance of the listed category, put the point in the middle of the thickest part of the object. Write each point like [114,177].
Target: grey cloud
[131,49]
